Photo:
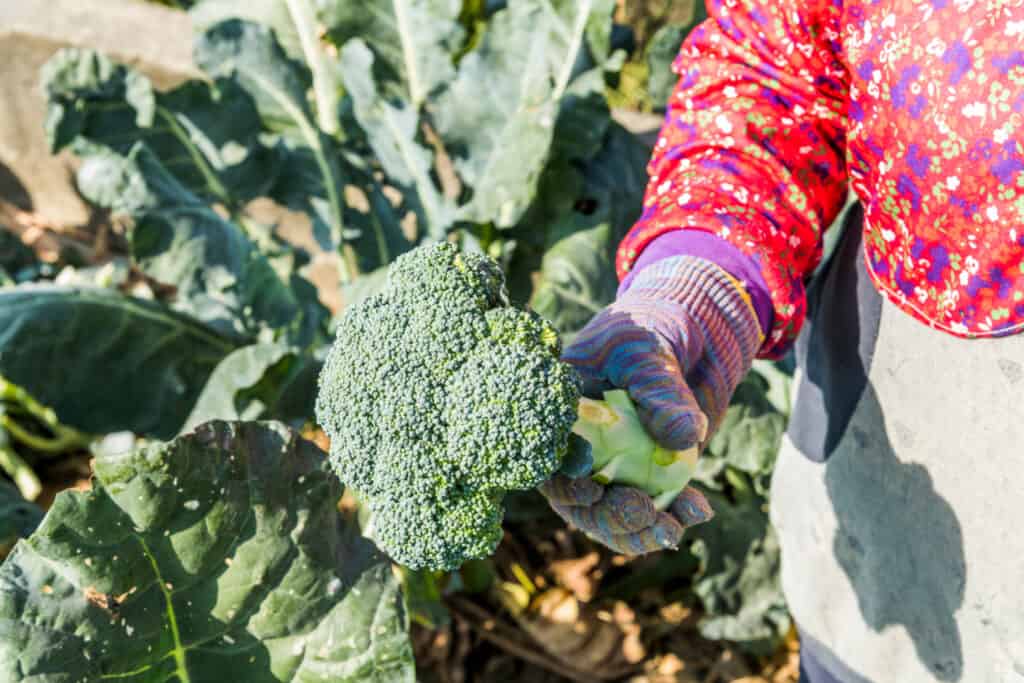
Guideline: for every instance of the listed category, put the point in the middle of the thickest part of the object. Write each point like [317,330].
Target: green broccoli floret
[439,397]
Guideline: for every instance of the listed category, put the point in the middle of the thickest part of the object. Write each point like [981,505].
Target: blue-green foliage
[439,397]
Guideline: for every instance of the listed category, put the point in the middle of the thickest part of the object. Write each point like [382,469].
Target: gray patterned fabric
[836,344]
[903,553]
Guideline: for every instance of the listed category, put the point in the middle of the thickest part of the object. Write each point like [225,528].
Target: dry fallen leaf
[731,667]
[577,575]
[604,643]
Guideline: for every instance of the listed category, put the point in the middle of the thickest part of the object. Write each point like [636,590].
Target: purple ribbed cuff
[707,245]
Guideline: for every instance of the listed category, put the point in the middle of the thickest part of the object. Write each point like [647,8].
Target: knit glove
[679,341]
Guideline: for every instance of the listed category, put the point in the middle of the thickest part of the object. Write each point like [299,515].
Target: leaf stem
[575,43]
[21,472]
[178,650]
[416,88]
[314,138]
[323,84]
[209,175]
[66,438]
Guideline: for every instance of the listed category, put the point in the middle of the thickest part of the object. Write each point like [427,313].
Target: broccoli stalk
[624,453]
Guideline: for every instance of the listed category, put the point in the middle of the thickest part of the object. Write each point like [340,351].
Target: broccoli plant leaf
[662,50]
[219,275]
[415,39]
[497,117]
[751,432]
[391,128]
[206,134]
[616,179]
[75,79]
[18,517]
[579,46]
[249,54]
[583,118]
[779,376]
[577,279]
[381,235]
[738,581]
[577,273]
[260,381]
[580,34]
[106,362]
[275,14]
[220,555]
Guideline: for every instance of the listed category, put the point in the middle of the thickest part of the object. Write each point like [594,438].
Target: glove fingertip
[668,409]
[667,531]
[692,507]
[664,534]
[628,509]
[675,428]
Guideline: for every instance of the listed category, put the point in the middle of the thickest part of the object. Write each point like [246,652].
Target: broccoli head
[439,397]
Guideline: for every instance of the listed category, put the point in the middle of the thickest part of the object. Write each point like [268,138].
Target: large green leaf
[297,30]
[583,118]
[74,79]
[381,235]
[391,128]
[751,431]
[616,179]
[205,133]
[249,54]
[580,35]
[498,116]
[103,361]
[416,39]
[273,13]
[220,556]
[579,45]
[219,275]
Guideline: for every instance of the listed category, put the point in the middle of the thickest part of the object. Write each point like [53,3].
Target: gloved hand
[679,340]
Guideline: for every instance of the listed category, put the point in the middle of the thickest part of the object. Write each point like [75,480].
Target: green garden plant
[388,128]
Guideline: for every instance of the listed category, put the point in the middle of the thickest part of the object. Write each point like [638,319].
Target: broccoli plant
[382,126]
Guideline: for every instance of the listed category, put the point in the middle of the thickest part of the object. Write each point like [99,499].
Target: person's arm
[753,147]
[752,151]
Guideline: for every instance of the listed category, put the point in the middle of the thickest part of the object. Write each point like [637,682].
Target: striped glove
[679,340]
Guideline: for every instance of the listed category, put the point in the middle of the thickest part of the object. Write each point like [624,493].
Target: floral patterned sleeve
[753,144]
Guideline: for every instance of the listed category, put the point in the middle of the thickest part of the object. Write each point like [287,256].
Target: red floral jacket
[919,104]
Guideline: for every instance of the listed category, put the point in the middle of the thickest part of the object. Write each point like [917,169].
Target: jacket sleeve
[753,146]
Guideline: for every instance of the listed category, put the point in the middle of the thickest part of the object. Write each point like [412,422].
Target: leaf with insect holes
[220,555]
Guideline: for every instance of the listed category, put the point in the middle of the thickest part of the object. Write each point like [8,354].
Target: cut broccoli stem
[623,452]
